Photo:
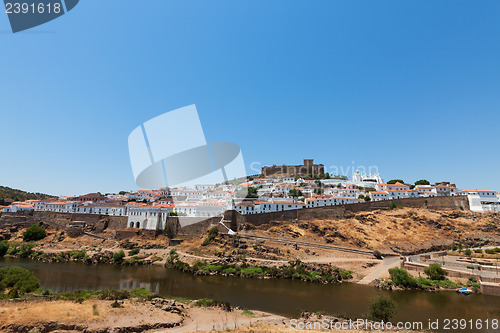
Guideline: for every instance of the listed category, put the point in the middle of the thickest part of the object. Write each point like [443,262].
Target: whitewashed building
[482,201]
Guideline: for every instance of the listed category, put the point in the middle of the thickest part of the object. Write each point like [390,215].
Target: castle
[308,168]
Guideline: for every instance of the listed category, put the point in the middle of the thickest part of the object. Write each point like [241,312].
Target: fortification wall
[197,229]
[339,212]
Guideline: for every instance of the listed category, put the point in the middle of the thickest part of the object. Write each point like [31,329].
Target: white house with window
[149,217]
[379,195]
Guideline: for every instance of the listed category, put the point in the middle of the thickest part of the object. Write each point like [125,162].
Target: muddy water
[285,297]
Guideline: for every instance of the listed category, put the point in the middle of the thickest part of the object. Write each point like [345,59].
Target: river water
[285,297]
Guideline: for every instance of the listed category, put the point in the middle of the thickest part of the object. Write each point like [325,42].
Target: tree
[122,192]
[367,198]
[361,196]
[422,182]
[212,234]
[401,277]
[294,193]
[394,181]
[435,272]
[34,233]
[15,276]
[382,309]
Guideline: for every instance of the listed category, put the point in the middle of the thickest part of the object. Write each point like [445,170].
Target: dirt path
[202,319]
[380,270]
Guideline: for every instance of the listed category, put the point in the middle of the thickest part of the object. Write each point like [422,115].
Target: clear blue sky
[412,87]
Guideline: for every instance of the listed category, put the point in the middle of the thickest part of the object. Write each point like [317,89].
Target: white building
[17,207]
[366,180]
[149,217]
[482,201]
[379,195]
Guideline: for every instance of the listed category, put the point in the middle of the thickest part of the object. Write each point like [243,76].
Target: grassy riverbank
[293,270]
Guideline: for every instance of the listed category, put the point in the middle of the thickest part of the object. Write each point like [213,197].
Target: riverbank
[285,297]
[129,315]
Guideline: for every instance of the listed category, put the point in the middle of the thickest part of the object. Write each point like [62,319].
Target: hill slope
[405,230]
[19,195]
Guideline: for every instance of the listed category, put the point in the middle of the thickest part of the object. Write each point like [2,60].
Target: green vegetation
[422,182]
[248,313]
[293,270]
[435,272]
[393,205]
[394,181]
[131,261]
[19,279]
[78,254]
[81,295]
[212,233]
[206,303]
[133,252]
[382,309]
[4,247]
[118,256]
[34,233]
[294,193]
[18,195]
[23,250]
[467,252]
[401,277]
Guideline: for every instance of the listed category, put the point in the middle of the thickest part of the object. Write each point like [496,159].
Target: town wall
[339,212]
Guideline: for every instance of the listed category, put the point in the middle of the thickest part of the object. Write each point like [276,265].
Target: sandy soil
[92,313]
[99,315]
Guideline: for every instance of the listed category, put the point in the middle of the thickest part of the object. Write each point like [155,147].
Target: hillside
[404,230]
[19,195]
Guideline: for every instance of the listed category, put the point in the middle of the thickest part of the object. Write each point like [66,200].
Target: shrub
[392,205]
[382,309]
[116,304]
[490,251]
[212,233]
[133,252]
[77,254]
[25,250]
[401,277]
[34,233]
[346,275]
[467,252]
[22,278]
[4,247]
[118,256]
[435,272]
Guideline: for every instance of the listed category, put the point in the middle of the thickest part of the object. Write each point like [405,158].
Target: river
[285,297]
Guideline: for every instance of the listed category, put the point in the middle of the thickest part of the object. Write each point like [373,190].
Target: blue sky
[411,87]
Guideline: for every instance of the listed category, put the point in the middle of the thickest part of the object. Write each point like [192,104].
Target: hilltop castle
[308,168]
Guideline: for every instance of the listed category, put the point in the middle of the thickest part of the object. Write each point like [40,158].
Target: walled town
[278,188]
